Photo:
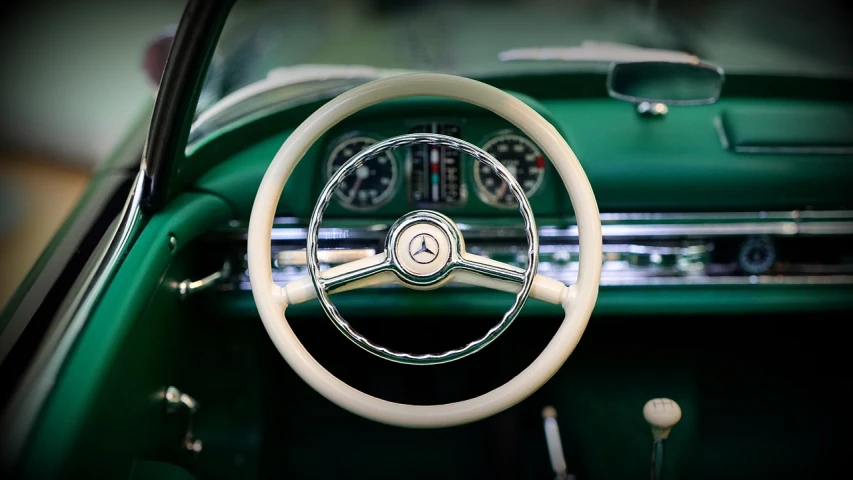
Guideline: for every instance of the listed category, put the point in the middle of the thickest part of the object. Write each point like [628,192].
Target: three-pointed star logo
[423,248]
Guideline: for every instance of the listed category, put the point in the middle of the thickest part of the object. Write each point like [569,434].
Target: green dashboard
[675,164]
[686,200]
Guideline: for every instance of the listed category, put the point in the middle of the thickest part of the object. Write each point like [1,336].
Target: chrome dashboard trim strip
[762,215]
[659,230]
[793,222]
[686,237]
[704,280]
[690,281]
[667,216]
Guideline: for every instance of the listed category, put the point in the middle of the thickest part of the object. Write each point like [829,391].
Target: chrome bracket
[177,400]
[187,287]
[652,109]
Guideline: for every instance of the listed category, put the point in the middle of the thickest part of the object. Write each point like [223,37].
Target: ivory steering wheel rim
[577,300]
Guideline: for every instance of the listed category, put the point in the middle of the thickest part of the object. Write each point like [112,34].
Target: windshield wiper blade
[283,86]
[298,79]
[592,51]
[320,72]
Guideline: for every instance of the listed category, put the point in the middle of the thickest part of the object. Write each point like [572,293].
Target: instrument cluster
[435,176]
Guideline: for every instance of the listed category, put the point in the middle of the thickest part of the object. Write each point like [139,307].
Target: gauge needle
[360,174]
[354,190]
[502,190]
[505,185]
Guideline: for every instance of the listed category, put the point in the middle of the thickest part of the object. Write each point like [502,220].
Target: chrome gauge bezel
[482,192]
[340,142]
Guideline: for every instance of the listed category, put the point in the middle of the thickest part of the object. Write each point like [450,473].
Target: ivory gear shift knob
[662,414]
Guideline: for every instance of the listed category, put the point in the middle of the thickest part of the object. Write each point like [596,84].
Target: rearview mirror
[670,83]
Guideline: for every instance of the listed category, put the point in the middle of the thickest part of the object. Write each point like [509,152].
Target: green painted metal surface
[677,163]
[102,342]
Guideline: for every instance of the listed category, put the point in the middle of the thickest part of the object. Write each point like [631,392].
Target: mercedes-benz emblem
[423,248]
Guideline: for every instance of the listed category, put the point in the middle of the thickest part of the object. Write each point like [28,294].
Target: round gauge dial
[372,184]
[524,161]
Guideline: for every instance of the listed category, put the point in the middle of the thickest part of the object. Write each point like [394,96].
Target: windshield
[472,37]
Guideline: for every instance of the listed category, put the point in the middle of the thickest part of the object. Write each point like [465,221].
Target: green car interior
[722,175]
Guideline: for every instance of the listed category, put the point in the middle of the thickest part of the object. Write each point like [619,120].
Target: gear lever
[662,414]
[555,446]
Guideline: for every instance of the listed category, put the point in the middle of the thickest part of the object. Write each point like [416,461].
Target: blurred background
[72,81]
[71,84]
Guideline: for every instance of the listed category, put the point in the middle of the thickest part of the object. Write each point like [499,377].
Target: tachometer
[524,161]
[372,184]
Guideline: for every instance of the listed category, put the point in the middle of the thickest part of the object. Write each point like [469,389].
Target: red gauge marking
[540,161]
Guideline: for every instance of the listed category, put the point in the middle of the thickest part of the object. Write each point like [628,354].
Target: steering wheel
[424,250]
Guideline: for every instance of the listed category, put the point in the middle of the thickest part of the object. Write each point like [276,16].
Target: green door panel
[59,430]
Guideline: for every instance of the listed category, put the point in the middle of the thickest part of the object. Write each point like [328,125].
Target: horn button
[422,249]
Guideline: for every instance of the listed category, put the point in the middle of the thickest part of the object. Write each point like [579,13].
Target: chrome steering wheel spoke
[373,271]
[480,271]
[354,274]
[489,268]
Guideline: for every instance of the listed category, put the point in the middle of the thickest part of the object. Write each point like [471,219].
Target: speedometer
[372,184]
[524,161]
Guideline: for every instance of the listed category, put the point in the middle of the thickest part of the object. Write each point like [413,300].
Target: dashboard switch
[757,255]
